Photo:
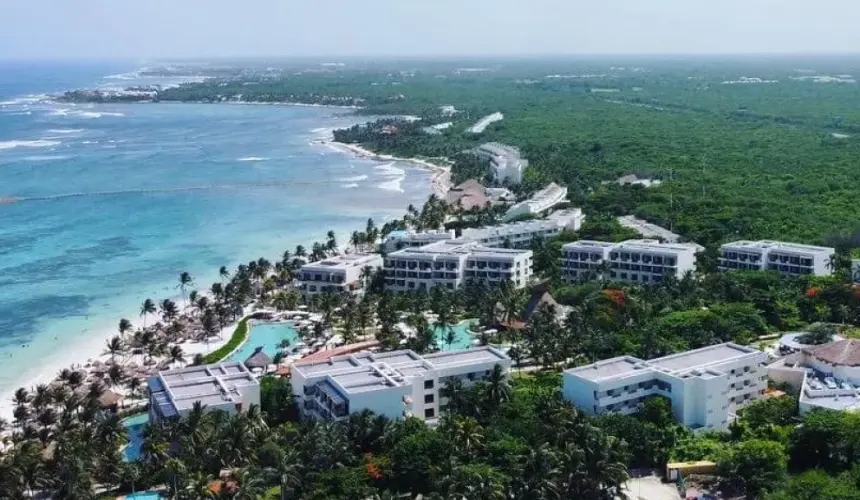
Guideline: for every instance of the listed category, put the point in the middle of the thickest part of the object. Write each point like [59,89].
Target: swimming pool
[462,338]
[267,335]
[134,425]
[142,495]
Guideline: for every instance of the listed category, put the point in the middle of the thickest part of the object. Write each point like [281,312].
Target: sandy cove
[440,184]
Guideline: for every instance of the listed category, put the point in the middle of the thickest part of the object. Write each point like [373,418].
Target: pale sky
[268,28]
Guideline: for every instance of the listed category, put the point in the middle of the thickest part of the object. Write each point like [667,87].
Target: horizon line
[425,57]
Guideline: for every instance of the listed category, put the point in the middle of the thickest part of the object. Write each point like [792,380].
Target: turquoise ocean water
[117,200]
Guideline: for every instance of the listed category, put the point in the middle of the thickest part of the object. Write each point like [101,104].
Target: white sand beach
[440,183]
[91,348]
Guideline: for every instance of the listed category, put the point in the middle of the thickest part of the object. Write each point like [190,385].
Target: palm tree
[185,281]
[42,397]
[300,251]
[331,242]
[114,346]
[224,273]
[466,434]
[176,355]
[115,376]
[288,471]
[133,384]
[21,396]
[168,309]
[124,326]
[148,307]
[498,389]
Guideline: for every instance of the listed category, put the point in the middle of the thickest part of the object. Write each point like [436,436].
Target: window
[428,384]
[429,413]
[428,399]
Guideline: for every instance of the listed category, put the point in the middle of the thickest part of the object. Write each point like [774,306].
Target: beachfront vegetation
[240,334]
[736,160]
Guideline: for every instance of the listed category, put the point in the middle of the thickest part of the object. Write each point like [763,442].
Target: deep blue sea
[117,200]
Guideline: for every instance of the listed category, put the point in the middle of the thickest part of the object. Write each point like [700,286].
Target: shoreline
[440,182]
[91,348]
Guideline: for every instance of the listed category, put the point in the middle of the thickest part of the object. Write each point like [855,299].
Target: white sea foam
[89,142]
[389,169]
[29,99]
[65,130]
[46,157]
[41,143]
[133,75]
[93,114]
[352,185]
[252,158]
[392,185]
[354,178]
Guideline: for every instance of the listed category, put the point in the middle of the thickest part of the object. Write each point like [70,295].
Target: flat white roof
[701,359]
[655,245]
[177,390]
[589,244]
[343,261]
[365,371]
[778,245]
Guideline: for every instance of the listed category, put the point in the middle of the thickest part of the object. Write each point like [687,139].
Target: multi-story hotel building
[705,386]
[452,263]
[584,260]
[338,274]
[227,386]
[395,384]
[521,234]
[632,261]
[506,163]
[399,240]
[540,202]
[790,259]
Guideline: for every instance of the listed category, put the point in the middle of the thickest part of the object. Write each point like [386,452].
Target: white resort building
[539,202]
[398,240]
[827,376]
[506,163]
[226,386]
[337,274]
[631,261]
[705,386]
[520,234]
[452,263]
[790,259]
[395,384]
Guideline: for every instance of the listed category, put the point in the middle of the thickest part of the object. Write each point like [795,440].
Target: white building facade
[395,384]
[789,259]
[338,274]
[540,202]
[452,263]
[827,376]
[521,234]
[399,240]
[227,386]
[506,163]
[631,261]
[705,386]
